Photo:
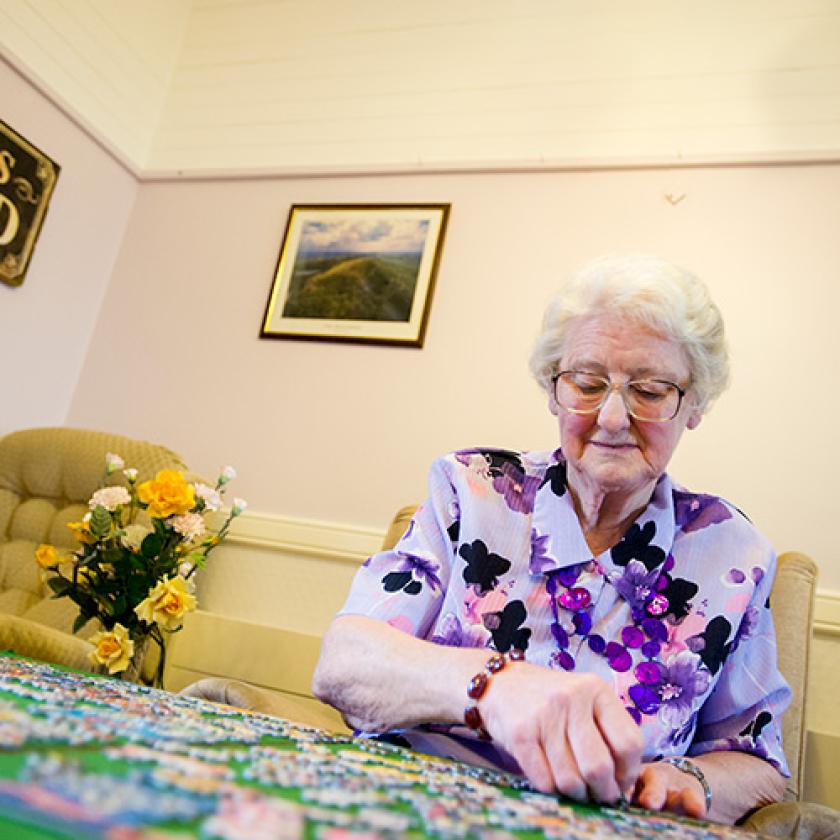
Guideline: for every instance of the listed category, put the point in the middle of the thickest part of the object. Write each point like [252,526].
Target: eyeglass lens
[645,399]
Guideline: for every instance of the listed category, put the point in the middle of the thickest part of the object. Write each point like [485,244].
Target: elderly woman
[577,616]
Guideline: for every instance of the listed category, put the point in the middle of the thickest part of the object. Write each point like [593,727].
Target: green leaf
[59,585]
[100,522]
[152,545]
[80,622]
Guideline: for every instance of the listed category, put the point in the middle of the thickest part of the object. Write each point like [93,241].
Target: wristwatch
[688,766]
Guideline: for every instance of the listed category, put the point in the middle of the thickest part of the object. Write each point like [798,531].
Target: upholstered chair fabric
[46,478]
[792,605]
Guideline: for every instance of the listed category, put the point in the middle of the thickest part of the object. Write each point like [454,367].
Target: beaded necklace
[646,632]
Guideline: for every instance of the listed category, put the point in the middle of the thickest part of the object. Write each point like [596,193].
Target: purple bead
[618,657]
[635,714]
[668,564]
[655,629]
[560,636]
[632,637]
[569,575]
[661,583]
[757,573]
[566,660]
[648,673]
[596,643]
[651,649]
[658,605]
[646,699]
[575,599]
[582,622]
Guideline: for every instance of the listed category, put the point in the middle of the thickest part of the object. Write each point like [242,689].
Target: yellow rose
[46,556]
[167,494]
[166,603]
[81,531]
[113,648]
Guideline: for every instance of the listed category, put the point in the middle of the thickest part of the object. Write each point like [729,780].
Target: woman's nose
[613,414]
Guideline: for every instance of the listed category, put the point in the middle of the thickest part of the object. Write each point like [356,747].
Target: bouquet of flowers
[139,548]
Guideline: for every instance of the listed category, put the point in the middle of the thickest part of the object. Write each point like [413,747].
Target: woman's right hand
[568,731]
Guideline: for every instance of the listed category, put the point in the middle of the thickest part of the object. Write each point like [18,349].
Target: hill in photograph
[352,287]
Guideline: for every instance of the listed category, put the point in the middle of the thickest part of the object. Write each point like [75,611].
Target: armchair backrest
[46,478]
[792,605]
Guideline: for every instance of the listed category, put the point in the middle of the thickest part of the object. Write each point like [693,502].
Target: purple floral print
[635,584]
[540,561]
[694,511]
[517,488]
[423,570]
[454,634]
[683,680]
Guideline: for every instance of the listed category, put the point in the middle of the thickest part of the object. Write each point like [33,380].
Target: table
[83,756]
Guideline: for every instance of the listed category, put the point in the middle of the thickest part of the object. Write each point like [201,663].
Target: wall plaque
[27,178]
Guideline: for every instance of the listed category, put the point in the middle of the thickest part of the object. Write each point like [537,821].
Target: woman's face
[610,450]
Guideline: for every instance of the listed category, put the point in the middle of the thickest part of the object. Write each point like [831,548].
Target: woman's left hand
[662,787]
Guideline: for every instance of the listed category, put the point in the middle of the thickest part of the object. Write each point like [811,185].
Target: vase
[147,664]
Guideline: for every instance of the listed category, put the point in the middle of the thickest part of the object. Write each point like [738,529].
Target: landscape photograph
[356,269]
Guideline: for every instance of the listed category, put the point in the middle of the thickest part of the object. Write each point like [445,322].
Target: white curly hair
[666,299]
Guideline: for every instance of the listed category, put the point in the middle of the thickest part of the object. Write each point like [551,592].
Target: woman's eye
[589,386]
[649,392]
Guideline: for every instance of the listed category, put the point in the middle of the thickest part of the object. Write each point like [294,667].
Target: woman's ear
[552,404]
[694,418]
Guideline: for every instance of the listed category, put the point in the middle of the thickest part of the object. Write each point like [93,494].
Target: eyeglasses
[648,400]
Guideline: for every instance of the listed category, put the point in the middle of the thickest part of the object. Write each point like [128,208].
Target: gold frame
[370,235]
[17,193]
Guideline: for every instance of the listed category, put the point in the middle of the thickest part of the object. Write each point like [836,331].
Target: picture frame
[356,272]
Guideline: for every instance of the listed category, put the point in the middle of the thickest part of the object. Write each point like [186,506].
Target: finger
[687,802]
[650,791]
[594,760]
[622,736]
[533,762]
[564,766]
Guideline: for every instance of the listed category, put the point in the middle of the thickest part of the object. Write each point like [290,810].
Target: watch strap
[686,765]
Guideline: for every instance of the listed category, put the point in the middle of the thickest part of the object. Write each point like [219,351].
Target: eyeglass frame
[622,390]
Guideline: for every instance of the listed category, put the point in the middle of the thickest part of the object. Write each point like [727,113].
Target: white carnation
[110,498]
[113,462]
[189,525]
[209,495]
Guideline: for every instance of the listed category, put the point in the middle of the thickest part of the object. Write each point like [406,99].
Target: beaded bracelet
[478,685]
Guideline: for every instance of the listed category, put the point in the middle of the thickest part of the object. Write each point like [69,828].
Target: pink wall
[344,433]
[46,323]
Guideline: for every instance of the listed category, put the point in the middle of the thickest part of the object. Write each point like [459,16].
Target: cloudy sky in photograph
[364,236]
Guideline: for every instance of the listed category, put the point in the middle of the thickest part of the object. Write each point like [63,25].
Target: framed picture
[356,272]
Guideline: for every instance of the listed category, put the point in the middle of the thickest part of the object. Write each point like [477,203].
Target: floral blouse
[675,616]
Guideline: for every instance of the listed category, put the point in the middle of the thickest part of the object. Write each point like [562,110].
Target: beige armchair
[46,478]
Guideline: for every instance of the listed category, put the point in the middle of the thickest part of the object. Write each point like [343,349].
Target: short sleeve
[744,710]
[405,586]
